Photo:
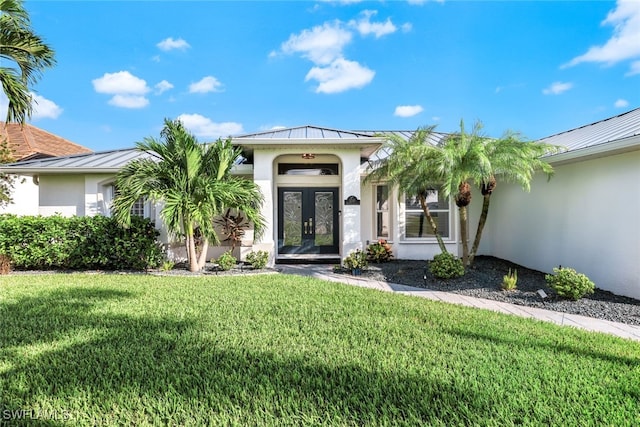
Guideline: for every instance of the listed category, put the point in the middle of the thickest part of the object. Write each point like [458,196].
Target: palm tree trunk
[463,235]
[191,247]
[483,219]
[432,223]
[202,259]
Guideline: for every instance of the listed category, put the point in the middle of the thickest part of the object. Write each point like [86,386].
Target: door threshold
[308,259]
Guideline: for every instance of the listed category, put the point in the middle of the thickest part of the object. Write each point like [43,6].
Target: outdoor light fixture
[543,295]
[308,156]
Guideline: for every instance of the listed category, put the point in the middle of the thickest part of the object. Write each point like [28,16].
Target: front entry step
[309,259]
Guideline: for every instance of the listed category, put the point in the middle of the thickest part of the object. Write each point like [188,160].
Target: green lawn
[284,350]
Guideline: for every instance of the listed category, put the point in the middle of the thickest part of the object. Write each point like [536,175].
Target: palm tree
[194,183]
[20,45]
[512,159]
[464,160]
[410,165]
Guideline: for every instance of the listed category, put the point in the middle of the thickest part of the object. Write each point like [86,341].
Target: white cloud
[340,75]
[557,88]
[366,27]
[129,101]
[408,110]
[322,44]
[122,82]
[204,127]
[170,44]
[206,84]
[624,43]
[621,103]
[634,69]
[44,108]
[163,86]
[407,27]
[127,89]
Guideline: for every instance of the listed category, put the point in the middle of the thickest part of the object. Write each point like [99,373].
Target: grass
[283,350]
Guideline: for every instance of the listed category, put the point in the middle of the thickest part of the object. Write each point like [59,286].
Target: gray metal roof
[609,130]
[105,161]
[303,133]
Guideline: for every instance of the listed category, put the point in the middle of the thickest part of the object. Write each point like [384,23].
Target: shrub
[356,260]
[379,251]
[226,261]
[258,259]
[510,280]
[570,284]
[37,242]
[167,265]
[446,266]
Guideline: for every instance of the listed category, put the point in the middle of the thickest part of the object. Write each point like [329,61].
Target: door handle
[305,227]
[310,225]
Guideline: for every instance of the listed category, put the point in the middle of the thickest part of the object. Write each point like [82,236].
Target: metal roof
[609,130]
[303,133]
[105,161]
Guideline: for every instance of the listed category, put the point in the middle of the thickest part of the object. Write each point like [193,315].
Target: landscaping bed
[483,281]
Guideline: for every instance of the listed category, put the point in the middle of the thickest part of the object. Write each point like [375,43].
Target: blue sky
[241,67]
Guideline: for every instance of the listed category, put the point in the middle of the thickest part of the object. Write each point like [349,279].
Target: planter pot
[356,271]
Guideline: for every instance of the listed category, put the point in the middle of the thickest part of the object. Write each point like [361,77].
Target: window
[383,219]
[415,221]
[139,208]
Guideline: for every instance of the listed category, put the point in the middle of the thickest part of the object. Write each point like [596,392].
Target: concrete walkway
[325,272]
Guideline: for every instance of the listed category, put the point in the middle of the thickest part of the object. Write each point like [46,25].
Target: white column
[351,213]
[263,177]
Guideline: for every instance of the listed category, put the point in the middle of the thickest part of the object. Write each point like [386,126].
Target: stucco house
[28,142]
[317,206]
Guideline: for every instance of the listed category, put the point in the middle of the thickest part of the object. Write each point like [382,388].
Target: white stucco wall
[25,197]
[62,194]
[587,218]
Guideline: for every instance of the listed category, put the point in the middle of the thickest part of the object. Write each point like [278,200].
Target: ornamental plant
[258,259]
[568,283]
[510,280]
[356,260]
[446,266]
[379,251]
[226,261]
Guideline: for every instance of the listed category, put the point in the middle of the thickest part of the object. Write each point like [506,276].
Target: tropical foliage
[411,165]
[194,183]
[20,46]
[7,181]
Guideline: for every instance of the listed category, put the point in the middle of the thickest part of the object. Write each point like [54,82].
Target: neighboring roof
[28,141]
[101,162]
[609,136]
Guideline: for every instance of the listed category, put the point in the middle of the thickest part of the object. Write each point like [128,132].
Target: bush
[510,280]
[226,261]
[356,260]
[570,284]
[379,251]
[258,259]
[56,242]
[446,266]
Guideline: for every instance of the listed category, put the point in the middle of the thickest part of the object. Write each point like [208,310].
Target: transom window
[416,223]
[308,169]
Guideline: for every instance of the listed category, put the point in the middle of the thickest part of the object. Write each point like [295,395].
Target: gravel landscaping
[483,281]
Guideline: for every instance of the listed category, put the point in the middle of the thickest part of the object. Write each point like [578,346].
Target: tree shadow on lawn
[142,369]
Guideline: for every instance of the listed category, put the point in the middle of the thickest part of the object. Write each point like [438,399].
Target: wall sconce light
[308,156]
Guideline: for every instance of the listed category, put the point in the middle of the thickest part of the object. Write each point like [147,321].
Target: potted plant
[356,261]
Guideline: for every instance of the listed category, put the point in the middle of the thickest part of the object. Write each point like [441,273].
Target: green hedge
[56,242]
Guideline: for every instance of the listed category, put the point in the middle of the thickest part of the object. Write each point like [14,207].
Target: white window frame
[403,219]
[388,210]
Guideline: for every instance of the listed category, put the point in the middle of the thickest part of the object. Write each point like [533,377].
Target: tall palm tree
[21,46]
[194,183]
[512,159]
[464,160]
[410,165]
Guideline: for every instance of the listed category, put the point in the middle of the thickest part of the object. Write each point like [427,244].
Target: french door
[308,221]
